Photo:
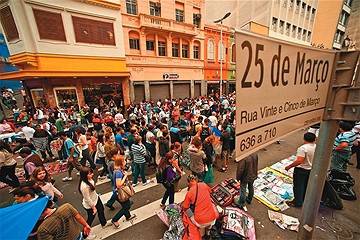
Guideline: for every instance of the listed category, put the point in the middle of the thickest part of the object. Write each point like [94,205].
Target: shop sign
[281,87]
[170,76]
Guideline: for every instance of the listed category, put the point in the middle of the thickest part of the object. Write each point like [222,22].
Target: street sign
[281,87]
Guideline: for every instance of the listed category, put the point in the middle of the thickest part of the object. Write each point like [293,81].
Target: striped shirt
[348,137]
[139,152]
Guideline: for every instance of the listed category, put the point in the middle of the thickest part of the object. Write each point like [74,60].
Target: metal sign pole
[317,178]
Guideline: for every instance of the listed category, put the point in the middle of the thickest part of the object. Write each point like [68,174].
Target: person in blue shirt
[119,138]
[72,155]
[342,147]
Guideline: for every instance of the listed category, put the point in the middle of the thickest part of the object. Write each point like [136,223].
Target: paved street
[147,199]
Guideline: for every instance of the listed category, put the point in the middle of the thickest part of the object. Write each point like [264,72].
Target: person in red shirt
[199,211]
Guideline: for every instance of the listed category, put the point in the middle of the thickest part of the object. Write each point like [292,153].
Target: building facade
[289,20]
[213,57]
[331,22]
[68,52]
[353,29]
[164,45]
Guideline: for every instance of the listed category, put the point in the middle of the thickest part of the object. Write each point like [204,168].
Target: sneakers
[102,177]
[131,217]
[66,179]
[162,206]
[106,225]
[115,224]
[109,206]
[146,183]
[134,184]
[78,174]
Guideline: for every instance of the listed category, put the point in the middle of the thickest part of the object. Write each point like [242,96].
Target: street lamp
[221,47]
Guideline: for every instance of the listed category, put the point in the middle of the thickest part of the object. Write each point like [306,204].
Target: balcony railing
[167,24]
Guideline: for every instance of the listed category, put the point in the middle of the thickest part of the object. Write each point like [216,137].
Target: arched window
[134,40]
[221,55]
[162,46]
[210,50]
[233,53]
[196,50]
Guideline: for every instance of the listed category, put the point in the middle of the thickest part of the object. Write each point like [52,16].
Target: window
[281,26]
[303,8]
[291,5]
[221,54]
[285,4]
[155,9]
[179,15]
[185,51]
[197,19]
[288,26]
[297,6]
[175,49]
[343,18]
[339,36]
[233,53]
[313,12]
[8,24]
[274,24]
[196,52]
[348,2]
[162,48]
[134,43]
[150,45]
[93,31]
[308,36]
[304,35]
[131,7]
[50,25]
[308,12]
[210,50]
[293,33]
[299,33]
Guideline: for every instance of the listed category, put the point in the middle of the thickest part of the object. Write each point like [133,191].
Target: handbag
[125,192]
[191,210]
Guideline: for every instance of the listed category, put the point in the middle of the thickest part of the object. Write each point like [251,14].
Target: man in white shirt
[304,158]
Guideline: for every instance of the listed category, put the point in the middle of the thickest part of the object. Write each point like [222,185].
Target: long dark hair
[165,161]
[100,138]
[5,146]
[84,172]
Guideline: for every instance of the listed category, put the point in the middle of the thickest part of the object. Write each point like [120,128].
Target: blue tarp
[17,221]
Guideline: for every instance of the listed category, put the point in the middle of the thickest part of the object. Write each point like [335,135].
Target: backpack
[205,132]
[193,129]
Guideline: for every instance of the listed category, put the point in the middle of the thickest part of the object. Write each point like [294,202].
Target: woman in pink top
[205,213]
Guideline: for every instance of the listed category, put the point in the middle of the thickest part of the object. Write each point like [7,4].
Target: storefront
[160,83]
[65,92]
[64,82]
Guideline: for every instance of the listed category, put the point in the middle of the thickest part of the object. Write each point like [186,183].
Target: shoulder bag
[125,192]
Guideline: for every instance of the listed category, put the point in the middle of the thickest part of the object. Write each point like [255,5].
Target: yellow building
[69,51]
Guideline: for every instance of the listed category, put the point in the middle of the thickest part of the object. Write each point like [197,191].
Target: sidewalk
[330,224]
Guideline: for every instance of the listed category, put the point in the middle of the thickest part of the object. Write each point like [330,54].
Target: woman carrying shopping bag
[121,182]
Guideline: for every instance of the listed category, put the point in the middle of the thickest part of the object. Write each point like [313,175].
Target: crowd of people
[168,136]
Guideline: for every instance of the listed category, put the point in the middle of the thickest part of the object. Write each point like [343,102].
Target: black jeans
[169,193]
[73,164]
[100,211]
[7,175]
[301,177]
[86,157]
[124,211]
